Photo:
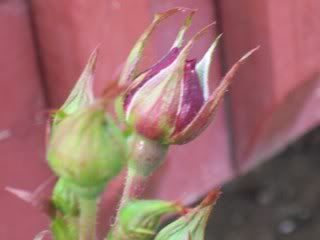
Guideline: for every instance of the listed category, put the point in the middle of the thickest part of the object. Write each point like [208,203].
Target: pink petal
[205,115]
[192,97]
[151,72]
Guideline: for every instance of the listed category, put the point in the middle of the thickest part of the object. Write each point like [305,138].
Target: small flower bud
[140,219]
[192,225]
[87,149]
[170,101]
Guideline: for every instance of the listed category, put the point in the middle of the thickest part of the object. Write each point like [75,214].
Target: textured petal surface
[154,107]
[205,115]
[191,96]
[148,74]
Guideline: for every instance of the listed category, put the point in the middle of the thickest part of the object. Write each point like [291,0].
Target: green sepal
[62,230]
[129,71]
[64,198]
[82,93]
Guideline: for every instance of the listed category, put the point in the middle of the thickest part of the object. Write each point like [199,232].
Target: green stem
[88,218]
[133,188]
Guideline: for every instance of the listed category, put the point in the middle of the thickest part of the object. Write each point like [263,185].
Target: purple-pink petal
[192,98]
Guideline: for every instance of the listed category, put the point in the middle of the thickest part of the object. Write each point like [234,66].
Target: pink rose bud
[170,102]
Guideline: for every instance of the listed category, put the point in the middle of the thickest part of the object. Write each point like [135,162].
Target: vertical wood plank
[274,92]
[68,31]
[22,108]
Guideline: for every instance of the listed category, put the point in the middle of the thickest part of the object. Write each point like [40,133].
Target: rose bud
[86,150]
[140,219]
[192,225]
[170,102]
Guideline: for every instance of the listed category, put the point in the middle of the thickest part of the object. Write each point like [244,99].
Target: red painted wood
[68,31]
[273,98]
[275,95]
[21,133]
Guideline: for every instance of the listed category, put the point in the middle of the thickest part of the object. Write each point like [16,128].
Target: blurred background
[271,105]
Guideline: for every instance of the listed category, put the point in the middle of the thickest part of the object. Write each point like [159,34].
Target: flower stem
[87,221]
[133,188]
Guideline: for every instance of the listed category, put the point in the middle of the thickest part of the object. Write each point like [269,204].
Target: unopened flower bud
[140,219]
[87,149]
[170,101]
[192,225]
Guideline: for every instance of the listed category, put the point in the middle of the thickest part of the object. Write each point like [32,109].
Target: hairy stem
[133,188]
[88,218]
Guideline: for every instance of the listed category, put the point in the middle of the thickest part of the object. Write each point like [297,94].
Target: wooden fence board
[22,105]
[273,97]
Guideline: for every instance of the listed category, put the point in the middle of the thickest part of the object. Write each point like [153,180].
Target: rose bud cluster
[170,102]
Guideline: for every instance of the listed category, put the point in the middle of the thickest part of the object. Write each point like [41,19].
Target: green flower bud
[87,149]
[140,219]
[192,225]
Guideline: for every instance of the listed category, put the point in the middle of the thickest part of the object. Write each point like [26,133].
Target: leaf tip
[211,198]
[248,54]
